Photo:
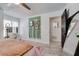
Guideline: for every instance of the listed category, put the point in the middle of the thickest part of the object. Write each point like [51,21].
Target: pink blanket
[35,51]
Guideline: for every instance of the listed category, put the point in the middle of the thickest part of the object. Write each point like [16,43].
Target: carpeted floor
[53,49]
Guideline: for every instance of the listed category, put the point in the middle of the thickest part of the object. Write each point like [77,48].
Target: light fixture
[7,29]
[7,25]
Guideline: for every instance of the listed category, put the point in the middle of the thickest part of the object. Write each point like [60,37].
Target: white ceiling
[14,10]
[36,8]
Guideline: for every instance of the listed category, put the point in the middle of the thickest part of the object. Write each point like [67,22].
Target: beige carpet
[53,49]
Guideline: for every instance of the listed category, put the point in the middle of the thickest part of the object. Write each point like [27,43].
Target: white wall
[24,29]
[1,22]
[73,7]
[72,41]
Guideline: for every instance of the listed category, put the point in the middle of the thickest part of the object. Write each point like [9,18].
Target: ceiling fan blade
[26,6]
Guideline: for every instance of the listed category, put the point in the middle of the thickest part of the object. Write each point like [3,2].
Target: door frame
[51,18]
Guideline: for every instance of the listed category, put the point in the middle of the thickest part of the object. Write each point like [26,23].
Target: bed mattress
[14,47]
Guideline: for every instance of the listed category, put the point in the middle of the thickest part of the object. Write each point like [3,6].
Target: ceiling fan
[22,4]
[25,6]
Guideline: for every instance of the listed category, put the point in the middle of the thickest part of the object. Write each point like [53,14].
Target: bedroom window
[13,26]
[6,22]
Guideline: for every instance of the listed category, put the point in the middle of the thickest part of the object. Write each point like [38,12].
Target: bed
[18,48]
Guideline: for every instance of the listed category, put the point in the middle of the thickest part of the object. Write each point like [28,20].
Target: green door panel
[35,27]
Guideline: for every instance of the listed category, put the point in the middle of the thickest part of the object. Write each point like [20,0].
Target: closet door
[35,27]
[55,29]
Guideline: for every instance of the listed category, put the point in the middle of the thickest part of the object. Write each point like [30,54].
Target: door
[55,29]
